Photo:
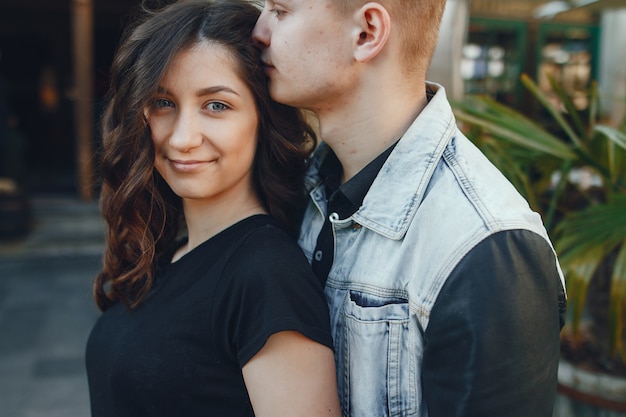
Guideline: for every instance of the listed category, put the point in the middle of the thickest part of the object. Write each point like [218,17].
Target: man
[446,297]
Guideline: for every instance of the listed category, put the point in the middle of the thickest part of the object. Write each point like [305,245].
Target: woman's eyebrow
[215,89]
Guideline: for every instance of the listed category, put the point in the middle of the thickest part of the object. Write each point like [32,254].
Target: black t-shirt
[181,351]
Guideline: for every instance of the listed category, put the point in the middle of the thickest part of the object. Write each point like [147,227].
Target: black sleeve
[270,287]
[492,341]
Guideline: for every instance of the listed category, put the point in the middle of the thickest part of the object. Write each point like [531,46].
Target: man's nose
[260,33]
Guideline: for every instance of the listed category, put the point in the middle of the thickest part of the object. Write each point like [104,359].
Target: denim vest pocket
[377,347]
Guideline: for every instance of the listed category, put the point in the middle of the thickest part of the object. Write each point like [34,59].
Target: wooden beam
[82,33]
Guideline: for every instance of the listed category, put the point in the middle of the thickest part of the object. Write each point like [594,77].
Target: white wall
[612,68]
[445,67]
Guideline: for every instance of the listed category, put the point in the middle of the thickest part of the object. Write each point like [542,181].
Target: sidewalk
[61,226]
[47,311]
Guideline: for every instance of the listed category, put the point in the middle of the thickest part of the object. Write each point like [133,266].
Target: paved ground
[46,310]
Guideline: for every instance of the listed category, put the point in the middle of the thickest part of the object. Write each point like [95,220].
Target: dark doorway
[38,147]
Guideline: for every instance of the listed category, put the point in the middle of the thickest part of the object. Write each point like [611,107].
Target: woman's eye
[217,106]
[161,102]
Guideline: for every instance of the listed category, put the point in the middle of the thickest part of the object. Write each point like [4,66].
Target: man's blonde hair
[418,22]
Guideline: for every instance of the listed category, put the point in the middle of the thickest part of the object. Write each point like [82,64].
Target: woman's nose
[186,134]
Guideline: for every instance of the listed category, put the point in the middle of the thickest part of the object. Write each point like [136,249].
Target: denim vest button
[318,255]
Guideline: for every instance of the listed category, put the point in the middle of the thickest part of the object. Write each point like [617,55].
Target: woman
[230,321]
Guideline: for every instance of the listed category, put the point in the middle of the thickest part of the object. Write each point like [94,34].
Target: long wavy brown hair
[143,216]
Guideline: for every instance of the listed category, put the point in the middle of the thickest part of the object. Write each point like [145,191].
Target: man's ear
[374,26]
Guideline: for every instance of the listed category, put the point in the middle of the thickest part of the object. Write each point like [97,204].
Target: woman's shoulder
[268,250]
[264,233]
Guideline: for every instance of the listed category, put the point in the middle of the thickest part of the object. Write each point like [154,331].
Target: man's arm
[492,342]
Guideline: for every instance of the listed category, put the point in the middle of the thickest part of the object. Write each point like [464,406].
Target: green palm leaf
[617,137]
[509,125]
[584,240]
[617,307]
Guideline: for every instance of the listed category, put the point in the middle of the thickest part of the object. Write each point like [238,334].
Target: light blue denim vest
[435,198]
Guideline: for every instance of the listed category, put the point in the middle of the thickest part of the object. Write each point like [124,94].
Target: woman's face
[204,126]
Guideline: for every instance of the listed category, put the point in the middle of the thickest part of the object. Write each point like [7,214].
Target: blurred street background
[46,309]
[54,61]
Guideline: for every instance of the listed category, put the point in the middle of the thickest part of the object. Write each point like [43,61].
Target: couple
[445,295]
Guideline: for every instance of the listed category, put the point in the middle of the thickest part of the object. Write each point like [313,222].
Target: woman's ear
[374,25]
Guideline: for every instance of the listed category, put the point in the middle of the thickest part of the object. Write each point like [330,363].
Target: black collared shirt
[345,199]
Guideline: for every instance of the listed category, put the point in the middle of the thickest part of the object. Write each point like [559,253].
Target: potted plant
[573,172]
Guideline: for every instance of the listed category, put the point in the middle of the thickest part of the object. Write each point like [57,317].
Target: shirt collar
[355,189]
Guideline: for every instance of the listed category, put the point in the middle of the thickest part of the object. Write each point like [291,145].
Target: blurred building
[54,61]
[575,42]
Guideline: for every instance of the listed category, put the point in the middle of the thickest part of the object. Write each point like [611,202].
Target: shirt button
[318,255]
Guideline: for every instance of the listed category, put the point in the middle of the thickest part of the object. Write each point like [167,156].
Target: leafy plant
[575,176]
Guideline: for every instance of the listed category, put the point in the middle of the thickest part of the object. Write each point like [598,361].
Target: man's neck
[363,128]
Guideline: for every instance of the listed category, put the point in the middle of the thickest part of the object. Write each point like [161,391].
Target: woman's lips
[188,166]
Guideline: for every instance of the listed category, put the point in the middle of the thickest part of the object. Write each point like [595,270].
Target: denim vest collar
[397,191]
